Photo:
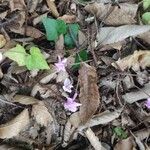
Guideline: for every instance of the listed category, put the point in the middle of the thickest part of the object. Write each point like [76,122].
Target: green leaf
[146,4]
[72,33]
[54,28]
[81,55]
[36,60]
[17,54]
[120,133]
[146,18]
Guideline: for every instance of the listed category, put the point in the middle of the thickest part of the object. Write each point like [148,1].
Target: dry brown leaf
[136,60]
[52,7]
[137,95]
[41,114]
[110,35]
[68,18]
[59,46]
[33,5]
[126,144]
[94,140]
[13,127]
[3,14]
[145,37]
[102,118]
[17,5]
[2,41]
[25,100]
[118,16]
[89,94]
[82,39]
[29,31]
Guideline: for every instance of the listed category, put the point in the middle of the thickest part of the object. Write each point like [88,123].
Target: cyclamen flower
[71,104]
[67,85]
[147,104]
[60,66]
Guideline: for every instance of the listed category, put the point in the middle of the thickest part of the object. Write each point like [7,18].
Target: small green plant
[146,14]
[81,56]
[120,133]
[56,27]
[34,60]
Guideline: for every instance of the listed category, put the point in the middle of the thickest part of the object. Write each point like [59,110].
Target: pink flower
[147,104]
[67,85]
[71,104]
[60,66]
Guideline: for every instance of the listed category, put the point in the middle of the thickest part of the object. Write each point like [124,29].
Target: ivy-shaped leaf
[36,60]
[146,18]
[54,28]
[72,33]
[120,133]
[146,4]
[81,56]
[17,54]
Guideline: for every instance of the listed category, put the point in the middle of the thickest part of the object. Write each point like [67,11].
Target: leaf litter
[74,74]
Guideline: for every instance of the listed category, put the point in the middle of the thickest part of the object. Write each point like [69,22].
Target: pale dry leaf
[25,100]
[41,114]
[126,144]
[118,16]
[142,134]
[45,91]
[17,5]
[102,118]
[68,18]
[49,75]
[82,39]
[109,35]
[94,140]
[33,5]
[89,95]
[29,31]
[135,96]
[145,37]
[59,46]
[135,61]
[2,41]
[13,127]
[3,15]
[53,8]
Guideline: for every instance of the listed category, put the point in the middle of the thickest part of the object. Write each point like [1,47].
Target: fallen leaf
[13,127]
[25,100]
[102,118]
[29,31]
[3,14]
[17,5]
[135,61]
[89,94]
[68,18]
[52,7]
[2,41]
[126,144]
[118,16]
[134,96]
[109,35]
[41,114]
[33,5]
[39,18]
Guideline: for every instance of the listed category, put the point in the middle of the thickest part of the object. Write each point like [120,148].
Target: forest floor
[74,75]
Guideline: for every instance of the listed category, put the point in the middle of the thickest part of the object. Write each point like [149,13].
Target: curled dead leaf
[68,18]
[113,15]
[52,7]
[41,114]
[2,41]
[17,5]
[136,60]
[29,31]
[89,94]
[25,100]
[13,127]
